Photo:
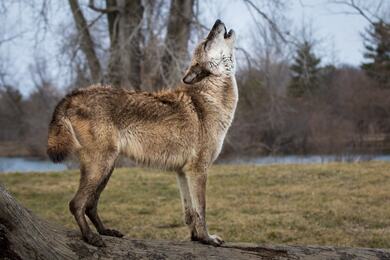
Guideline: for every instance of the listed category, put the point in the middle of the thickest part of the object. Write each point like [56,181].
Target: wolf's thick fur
[181,129]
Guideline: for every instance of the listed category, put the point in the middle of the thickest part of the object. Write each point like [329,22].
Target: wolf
[180,130]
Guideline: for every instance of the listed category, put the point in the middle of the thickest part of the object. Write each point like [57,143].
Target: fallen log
[25,236]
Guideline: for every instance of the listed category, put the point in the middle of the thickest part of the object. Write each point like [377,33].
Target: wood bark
[25,236]
[86,43]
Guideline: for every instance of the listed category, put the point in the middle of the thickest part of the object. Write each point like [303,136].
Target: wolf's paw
[213,240]
[194,236]
[111,233]
[94,239]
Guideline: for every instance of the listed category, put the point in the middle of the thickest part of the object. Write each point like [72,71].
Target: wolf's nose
[218,22]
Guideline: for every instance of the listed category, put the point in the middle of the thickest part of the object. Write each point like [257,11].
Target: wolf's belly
[161,150]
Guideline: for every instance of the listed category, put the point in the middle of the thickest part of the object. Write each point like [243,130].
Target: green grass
[331,204]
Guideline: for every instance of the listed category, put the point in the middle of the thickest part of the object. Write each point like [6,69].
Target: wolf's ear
[195,74]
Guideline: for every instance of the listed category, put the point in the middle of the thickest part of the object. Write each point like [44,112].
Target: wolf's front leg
[197,187]
[185,197]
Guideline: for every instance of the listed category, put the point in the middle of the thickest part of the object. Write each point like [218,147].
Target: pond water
[22,164]
[307,159]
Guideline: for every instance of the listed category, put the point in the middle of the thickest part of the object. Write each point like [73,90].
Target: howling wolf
[180,129]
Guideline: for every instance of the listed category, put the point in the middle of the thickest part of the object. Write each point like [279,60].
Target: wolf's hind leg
[92,205]
[89,181]
[95,172]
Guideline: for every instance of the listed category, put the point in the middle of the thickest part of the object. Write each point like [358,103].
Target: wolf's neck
[220,95]
[222,89]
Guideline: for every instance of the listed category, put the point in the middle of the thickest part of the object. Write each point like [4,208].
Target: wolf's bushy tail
[61,140]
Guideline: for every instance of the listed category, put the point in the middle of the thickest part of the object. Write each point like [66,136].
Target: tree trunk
[176,41]
[114,63]
[86,42]
[124,20]
[25,236]
[124,67]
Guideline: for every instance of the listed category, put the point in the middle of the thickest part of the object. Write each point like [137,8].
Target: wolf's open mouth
[227,34]
[214,31]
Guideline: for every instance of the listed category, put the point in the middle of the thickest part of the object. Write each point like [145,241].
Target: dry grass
[332,204]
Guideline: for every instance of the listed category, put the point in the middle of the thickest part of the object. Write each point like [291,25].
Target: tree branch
[86,42]
[357,8]
[250,4]
[110,9]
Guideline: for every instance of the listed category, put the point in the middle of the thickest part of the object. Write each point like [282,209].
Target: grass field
[331,204]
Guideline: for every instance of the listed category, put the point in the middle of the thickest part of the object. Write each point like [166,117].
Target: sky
[338,34]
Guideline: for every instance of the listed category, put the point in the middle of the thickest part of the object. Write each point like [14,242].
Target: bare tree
[130,33]
[176,41]
[125,22]
[270,20]
[263,109]
[371,11]
[86,43]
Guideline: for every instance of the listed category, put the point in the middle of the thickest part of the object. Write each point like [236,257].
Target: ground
[337,204]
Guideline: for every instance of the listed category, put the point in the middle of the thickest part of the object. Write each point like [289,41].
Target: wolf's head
[213,56]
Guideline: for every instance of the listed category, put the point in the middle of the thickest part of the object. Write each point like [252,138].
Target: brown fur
[180,129]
